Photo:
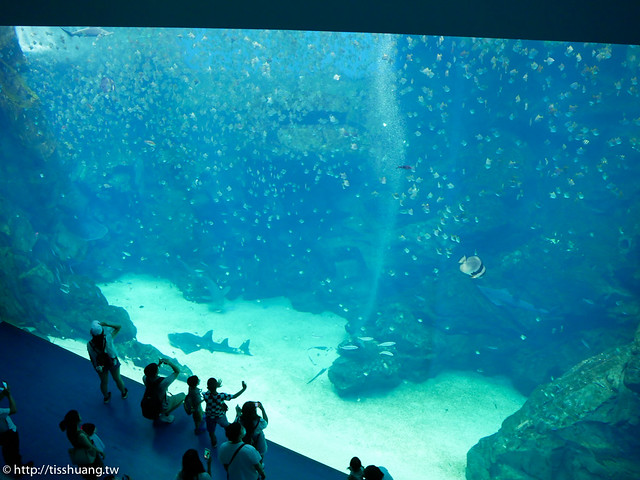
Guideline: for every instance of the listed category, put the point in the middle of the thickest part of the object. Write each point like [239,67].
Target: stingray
[320,357]
[189,343]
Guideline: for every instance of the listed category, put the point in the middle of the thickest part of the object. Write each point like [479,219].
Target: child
[356,470]
[216,408]
[193,403]
[90,430]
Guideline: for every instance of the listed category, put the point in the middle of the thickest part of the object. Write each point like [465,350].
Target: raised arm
[237,394]
[264,413]
[12,403]
[168,361]
[116,328]
[209,464]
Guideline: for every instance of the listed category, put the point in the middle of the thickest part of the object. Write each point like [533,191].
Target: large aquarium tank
[418,250]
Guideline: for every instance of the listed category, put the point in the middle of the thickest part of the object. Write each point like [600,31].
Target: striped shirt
[215,403]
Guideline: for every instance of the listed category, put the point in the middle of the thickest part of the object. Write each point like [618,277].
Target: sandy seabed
[416,431]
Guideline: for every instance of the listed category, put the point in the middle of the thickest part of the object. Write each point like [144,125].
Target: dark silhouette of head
[355,464]
[193,381]
[373,473]
[234,432]
[151,370]
[70,421]
[88,428]
[191,464]
[249,410]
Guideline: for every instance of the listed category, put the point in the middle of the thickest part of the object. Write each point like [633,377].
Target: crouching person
[156,403]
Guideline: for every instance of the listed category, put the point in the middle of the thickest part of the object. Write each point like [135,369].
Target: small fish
[107,85]
[386,344]
[405,167]
[151,143]
[365,339]
[387,353]
[349,347]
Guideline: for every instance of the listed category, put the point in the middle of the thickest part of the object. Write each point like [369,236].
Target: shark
[189,343]
[87,32]
[502,297]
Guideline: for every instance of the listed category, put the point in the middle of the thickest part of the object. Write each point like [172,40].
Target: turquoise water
[350,173]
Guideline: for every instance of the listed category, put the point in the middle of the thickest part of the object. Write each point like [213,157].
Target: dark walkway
[47,381]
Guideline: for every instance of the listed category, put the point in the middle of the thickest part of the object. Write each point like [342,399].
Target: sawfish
[87,32]
[189,343]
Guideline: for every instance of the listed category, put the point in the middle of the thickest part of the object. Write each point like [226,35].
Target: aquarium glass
[393,239]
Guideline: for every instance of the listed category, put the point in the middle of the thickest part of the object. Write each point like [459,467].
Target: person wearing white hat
[104,358]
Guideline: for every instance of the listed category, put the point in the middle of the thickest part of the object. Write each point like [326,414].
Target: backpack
[102,357]
[104,360]
[187,405]
[151,403]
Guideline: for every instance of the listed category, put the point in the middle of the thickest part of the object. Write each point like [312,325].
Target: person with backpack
[254,425]
[193,403]
[156,404]
[104,358]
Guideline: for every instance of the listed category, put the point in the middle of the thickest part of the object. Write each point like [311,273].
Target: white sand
[416,431]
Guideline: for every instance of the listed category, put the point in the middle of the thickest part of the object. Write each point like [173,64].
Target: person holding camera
[254,425]
[192,468]
[9,438]
[104,358]
[156,404]
[216,411]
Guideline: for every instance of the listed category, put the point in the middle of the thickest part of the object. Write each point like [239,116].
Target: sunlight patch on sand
[441,418]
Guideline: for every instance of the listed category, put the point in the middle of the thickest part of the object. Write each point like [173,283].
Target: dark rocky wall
[584,425]
[449,324]
[41,237]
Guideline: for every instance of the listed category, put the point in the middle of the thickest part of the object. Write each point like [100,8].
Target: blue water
[269,161]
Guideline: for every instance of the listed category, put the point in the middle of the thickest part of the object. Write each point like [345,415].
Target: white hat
[96,328]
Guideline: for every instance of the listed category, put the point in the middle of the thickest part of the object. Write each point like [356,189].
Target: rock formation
[585,425]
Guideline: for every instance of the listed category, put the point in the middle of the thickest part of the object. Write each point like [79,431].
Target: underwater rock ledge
[584,425]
